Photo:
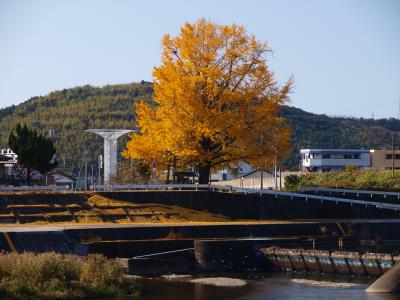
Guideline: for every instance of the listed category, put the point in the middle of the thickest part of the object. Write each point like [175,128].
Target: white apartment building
[327,160]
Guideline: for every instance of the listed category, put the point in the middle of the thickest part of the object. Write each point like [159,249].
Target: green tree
[292,182]
[35,151]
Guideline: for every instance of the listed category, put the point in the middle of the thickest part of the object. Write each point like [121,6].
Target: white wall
[255,182]
[364,161]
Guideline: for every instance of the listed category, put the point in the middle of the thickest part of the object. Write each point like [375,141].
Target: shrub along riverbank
[62,276]
[351,178]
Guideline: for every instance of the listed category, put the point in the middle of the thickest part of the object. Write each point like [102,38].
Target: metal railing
[276,194]
[151,187]
[349,191]
[211,187]
[35,188]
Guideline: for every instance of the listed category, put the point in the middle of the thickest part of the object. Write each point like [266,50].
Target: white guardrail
[35,188]
[348,191]
[211,187]
[306,197]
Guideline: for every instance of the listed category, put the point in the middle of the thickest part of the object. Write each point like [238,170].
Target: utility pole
[83,163]
[262,138]
[392,154]
[275,164]
[398,112]
[131,171]
[275,173]
[86,174]
[92,175]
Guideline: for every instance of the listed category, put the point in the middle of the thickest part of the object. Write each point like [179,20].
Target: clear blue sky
[344,54]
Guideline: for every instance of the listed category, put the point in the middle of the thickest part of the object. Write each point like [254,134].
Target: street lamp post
[100,164]
[262,138]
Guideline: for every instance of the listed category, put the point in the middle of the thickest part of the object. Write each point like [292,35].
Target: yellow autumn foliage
[216,102]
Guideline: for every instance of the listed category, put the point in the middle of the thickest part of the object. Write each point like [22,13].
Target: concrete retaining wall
[363,229]
[39,242]
[42,198]
[254,206]
[137,248]
[233,205]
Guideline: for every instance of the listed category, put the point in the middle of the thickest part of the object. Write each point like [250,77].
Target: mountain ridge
[70,111]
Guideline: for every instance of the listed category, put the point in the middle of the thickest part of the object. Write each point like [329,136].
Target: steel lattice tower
[110,137]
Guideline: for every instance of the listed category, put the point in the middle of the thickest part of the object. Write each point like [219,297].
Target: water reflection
[280,286]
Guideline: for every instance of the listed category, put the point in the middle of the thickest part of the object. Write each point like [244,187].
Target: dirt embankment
[90,208]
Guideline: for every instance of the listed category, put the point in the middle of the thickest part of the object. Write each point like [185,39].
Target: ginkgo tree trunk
[214,95]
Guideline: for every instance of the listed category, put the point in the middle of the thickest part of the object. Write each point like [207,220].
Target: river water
[252,286]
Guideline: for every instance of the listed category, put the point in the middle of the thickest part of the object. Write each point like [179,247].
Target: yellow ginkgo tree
[216,102]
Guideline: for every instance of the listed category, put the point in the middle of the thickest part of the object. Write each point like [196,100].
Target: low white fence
[212,187]
[151,187]
[349,191]
[268,181]
[35,188]
[250,183]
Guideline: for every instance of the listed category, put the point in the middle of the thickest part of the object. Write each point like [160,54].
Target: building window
[388,156]
[326,156]
[347,156]
[356,156]
[397,156]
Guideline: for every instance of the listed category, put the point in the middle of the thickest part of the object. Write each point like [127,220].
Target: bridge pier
[388,282]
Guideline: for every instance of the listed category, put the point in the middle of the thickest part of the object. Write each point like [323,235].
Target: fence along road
[276,194]
[348,191]
[210,187]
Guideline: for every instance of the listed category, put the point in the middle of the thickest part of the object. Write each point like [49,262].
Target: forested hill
[321,131]
[70,111]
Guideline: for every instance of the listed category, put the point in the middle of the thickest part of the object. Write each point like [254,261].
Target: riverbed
[252,286]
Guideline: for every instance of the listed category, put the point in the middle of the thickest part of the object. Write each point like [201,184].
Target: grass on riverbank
[351,178]
[62,276]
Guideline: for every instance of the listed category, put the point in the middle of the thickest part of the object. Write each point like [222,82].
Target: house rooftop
[303,151]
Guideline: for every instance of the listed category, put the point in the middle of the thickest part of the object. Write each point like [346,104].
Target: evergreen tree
[35,151]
